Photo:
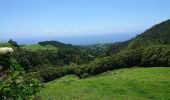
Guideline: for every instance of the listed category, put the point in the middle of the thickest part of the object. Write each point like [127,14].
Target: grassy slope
[3,44]
[123,84]
[35,47]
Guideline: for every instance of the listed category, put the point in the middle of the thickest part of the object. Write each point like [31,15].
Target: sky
[70,20]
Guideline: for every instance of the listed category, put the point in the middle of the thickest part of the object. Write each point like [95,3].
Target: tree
[13,85]
[13,43]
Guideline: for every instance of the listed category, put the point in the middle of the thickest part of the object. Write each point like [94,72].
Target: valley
[137,68]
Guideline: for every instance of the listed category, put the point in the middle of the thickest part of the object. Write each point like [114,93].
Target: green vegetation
[5,44]
[36,47]
[13,43]
[157,35]
[123,84]
[50,60]
[13,86]
[89,60]
[116,47]
[35,60]
[97,50]
[57,44]
[151,57]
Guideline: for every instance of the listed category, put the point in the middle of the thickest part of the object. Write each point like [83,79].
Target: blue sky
[56,18]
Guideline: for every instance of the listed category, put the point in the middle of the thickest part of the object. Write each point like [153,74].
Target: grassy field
[36,47]
[5,44]
[124,84]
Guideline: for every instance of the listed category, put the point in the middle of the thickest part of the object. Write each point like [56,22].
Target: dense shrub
[156,56]
[30,60]
[13,85]
[146,57]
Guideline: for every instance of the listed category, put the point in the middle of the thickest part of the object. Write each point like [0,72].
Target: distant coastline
[77,40]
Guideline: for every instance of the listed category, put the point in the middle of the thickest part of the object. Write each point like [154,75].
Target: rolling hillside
[35,47]
[151,48]
[159,34]
[149,55]
[124,84]
[57,44]
[3,44]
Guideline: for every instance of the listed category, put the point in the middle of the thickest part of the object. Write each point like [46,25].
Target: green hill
[126,55]
[124,84]
[35,47]
[159,34]
[57,44]
[3,44]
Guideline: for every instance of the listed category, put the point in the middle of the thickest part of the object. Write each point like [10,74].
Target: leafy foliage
[156,56]
[117,47]
[13,85]
[13,43]
[31,60]
[150,56]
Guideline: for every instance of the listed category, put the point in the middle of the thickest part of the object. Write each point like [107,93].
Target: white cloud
[71,31]
[50,31]
[76,30]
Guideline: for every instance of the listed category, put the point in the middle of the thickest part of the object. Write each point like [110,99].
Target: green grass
[123,84]
[3,44]
[36,47]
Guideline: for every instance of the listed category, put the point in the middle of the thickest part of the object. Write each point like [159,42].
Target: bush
[147,57]
[14,85]
[156,56]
